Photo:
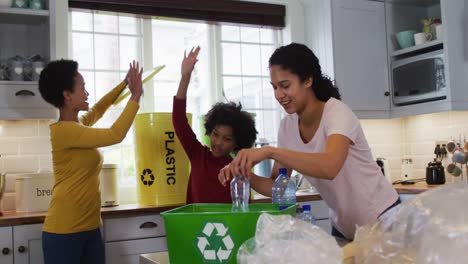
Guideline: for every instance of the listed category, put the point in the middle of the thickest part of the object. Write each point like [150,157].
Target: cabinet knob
[5,251]
[148,225]
[21,249]
[387,93]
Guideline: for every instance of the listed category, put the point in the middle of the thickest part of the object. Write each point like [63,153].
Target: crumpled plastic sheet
[430,228]
[285,239]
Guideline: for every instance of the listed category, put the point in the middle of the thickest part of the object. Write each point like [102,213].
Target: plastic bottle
[307,215]
[283,190]
[240,193]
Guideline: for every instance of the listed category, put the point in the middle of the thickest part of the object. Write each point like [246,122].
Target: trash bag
[285,239]
[430,228]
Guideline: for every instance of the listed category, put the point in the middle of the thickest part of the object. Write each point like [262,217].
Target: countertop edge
[129,210]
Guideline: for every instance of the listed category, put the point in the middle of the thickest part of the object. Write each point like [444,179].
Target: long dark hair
[300,60]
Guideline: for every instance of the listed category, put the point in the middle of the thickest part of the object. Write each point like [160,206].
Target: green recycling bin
[212,233]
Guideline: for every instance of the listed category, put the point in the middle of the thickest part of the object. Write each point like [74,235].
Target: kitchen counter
[13,218]
[415,188]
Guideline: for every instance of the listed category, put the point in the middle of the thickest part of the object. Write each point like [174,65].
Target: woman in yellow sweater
[71,229]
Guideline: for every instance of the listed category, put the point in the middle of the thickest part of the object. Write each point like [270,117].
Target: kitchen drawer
[319,209]
[136,227]
[128,252]
[23,100]
[22,96]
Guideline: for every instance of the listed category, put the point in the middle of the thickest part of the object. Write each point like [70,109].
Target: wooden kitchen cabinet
[21,244]
[128,252]
[27,243]
[355,42]
[360,56]
[6,245]
[20,100]
[28,32]
[126,238]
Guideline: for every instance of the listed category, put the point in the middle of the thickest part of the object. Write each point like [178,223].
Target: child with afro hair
[229,128]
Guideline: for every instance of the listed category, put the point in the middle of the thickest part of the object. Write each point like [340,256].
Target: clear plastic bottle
[283,190]
[240,194]
[307,215]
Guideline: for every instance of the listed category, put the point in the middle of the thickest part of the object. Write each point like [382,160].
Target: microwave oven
[419,79]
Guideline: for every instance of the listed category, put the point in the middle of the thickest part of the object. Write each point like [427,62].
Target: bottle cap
[282,207]
[306,207]
[283,171]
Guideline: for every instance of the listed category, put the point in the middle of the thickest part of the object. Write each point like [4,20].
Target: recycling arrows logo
[147,177]
[214,243]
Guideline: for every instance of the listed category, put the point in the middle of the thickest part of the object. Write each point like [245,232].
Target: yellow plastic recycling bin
[161,163]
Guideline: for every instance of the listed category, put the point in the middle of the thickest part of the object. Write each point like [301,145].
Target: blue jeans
[75,248]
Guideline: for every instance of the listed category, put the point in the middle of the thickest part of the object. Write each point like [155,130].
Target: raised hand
[134,80]
[189,61]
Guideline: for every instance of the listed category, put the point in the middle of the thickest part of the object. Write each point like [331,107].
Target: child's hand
[225,175]
[134,80]
[189,61]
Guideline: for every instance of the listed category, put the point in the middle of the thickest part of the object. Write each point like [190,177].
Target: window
[104,43]
[245,75]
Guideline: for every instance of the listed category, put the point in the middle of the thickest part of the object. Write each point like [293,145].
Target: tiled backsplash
[413,137]
[25,145]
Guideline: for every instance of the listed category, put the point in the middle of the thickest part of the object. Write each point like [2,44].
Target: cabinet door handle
[24,93]
[21,249]
[5,251]
[148,225]
[387,93]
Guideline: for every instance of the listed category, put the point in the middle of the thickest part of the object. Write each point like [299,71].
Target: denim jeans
[75,248]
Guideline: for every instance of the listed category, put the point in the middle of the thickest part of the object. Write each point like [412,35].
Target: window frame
[215,64]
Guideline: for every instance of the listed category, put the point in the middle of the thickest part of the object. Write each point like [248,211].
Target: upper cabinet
[379,68]
[360,55]
[30,38]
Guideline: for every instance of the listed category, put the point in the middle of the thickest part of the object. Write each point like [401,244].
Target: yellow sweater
[76,200]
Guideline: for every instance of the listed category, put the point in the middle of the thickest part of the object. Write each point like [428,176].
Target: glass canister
[36,4]
[19,3]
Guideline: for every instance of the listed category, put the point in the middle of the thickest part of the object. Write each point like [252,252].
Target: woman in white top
[322,139]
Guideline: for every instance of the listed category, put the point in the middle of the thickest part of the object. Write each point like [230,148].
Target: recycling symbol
[215,246]
[147,177]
